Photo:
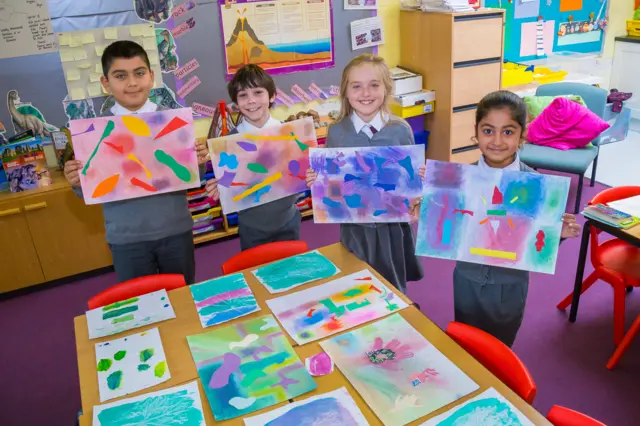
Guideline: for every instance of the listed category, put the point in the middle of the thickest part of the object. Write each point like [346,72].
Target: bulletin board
[565,26]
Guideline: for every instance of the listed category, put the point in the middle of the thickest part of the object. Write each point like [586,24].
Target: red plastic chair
[265,253]
[624,345]
[137,287]
[615,262]
[496,357]
[561,416]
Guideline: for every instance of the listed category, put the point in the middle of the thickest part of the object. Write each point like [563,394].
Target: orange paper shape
[106,186]
[570,5]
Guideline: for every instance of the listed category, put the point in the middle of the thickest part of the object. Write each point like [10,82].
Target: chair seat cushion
[621,257]
[572,161]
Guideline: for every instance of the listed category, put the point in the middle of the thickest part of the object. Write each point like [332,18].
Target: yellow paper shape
[73,75]
[148,30]
[99,68]
[84,65]
[77,94]
[111,33]
[94,77]
[63,39]
[136,125]
[149,43]
[99,50]
[79,54]
[88,38]
[134,158]
[75,41]
[94,89]
[66,55]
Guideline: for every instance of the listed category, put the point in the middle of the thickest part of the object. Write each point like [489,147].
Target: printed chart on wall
[282,37]
[25,28]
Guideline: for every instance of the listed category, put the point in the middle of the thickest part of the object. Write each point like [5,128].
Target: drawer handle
[9,212]
[36,206]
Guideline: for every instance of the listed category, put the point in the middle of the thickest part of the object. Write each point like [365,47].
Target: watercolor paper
[248,366]
[177,406]
[223,299]
[488,408]
[335,306]
[400,375]
[510,219]
[133,156]
[130,364]
[335,408]
[129,314]
[295,271]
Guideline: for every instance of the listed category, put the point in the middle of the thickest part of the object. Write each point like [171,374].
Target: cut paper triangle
[495,224]
[173,125]
[90,129]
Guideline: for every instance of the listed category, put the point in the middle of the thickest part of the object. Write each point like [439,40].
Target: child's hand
[212,189]
[421,171]
[311,177]
[414,210]
[570,229]
[203,152]
[72,172]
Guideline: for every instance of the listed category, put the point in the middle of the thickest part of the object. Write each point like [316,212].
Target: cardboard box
[414,98]
[405,81]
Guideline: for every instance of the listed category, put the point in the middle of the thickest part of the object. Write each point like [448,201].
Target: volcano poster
[282,36]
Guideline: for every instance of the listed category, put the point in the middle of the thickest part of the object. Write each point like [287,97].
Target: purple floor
[566,360]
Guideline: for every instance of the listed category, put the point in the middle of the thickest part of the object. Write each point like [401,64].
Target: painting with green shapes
[130,364]
[177,406]
[128,314]
[247,366]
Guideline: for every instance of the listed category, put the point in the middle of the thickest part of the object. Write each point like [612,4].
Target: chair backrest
[561,416]
[137,287]
[265,253]
[496,357]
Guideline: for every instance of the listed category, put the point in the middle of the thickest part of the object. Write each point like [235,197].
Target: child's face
[498,137]
[129,81]
[365,91]
[254,104]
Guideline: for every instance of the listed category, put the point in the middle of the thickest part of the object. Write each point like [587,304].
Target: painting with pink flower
[399,374]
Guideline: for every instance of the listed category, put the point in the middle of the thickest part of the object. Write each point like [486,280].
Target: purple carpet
[39,376]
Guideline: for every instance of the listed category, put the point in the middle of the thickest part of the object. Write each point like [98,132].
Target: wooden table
[182,368]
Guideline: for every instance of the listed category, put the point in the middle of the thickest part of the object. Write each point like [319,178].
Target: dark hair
[251,76]
[503,99]
[122,49]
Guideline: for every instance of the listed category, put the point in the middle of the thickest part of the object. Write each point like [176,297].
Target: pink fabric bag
[564,125]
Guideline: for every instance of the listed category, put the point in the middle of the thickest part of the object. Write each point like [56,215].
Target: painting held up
[248,366]
[371,184]
[399,374]
[335,306]
[500,218]
[130,156]
[295,271]
[259,168]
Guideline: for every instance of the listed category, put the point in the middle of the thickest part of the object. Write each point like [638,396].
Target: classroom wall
[619,12]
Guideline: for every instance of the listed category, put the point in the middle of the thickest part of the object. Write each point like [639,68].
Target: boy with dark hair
[254,93]
[152,234]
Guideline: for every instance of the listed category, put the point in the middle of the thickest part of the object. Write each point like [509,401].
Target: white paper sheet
[360,4]
[366,33]
[628,205]
[25,28]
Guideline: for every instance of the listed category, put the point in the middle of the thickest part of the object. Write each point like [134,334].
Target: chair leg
[624,345]
[579,194]
[592,278]
[619,293]
[593,169]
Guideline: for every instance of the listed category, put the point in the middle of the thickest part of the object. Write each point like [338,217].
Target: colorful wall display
[168,56]
[26,28]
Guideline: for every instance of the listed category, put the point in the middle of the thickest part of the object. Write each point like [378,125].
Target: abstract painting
[259,168]
[177,406]
[334,307]
[223,299]
[335,408]
[130,364]
[370,184]
[400,375]
[500,218]
[132,156]
[488,408]
[128,314]
[294,271]
[248,366]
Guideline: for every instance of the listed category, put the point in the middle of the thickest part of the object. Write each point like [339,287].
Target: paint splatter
[240,403]
[180,171]
[137,182]
[106,186]
[122,319]
[119,356]
[220,377]
[107,132]
[482,222]
[310,313]
[120,304]
[447,229]
[497,196]
[385,186]
[136,125]
[230,161]
[257,168]
[104,364]
[463,212]
[227,179]
[249,147]
[380,212]
[143,367]
[406,163]
[119,312]
[540,240]
[354,201]
[510,222]
[349,177]
[175,124]
[248,339]
[160,369]
[146,354]
[294,167]
[331,203]
[363,165]
[114,381]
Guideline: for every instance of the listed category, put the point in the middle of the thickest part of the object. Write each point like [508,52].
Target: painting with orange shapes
[135,156]
[254,169]
[335,306]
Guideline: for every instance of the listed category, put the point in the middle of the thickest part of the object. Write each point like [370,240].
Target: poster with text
[367,33]
[25,28]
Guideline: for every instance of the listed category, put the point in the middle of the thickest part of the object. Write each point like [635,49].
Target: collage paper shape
[369,184]
[129,314]
[399,374]
[179,405]
[133,156]
[335,306]
[247,366]
[295,271]
[256,169]
[130,364]
[223,299]
[510,219]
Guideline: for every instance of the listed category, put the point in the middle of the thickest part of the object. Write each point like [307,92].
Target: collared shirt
[359,124]
[148,106]
[246,127]
[515,166]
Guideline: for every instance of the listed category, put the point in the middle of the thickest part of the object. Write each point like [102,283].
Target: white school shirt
[148,106]
[359,124]
[246,127]
[514,167]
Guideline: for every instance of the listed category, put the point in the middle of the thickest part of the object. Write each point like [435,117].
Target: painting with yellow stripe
[494,217]
[254,169]
[133,156]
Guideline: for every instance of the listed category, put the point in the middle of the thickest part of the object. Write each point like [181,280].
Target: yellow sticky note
[79,54]
[153,58]
[88,38]
[111,33]
[149,43]
[99,69]
[148,31]
[66,55]
[94,77]
[84,65]
[99,50]
[75,41]
[63,39]
[77,94]
[135,30]
[73,75]
[94,89]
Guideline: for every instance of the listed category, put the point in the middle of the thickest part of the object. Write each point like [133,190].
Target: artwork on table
[369,184]
[259,168]
[335,306]
[223,299]
[295,271]
[130,364]
[129,314]
[133,156]
[488,408]
[501,218]
[177,406]
[335,408]
[248,366]
[400,375]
